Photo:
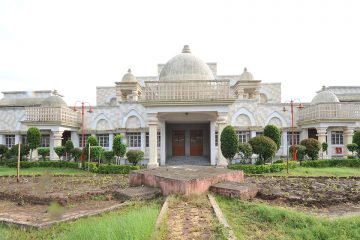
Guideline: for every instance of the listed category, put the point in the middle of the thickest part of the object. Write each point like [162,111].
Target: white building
[178,116]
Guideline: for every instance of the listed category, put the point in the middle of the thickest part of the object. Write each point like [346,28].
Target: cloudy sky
[74,46]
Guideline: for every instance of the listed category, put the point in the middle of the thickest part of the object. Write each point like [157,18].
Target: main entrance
[196,143]
[178,142]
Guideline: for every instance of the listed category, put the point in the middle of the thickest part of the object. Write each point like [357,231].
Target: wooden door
[196,142]
[178,143]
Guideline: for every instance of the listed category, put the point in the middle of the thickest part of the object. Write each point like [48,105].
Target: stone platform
[185,179]
[244,191]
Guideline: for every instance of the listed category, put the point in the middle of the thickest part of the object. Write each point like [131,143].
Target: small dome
[53,101]
[325,97]
[185,66]
[246,76]
[129,77]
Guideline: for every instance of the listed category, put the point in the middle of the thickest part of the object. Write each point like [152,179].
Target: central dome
[185,66]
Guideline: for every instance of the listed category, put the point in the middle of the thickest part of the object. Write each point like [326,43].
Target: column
[321,133]
[143,141]
[252,134]
[212,144]
[348,137]
[329,151]
[75,139]
[162,143]
[111,140]
[284,144]
[2,140]
[55,142]
[304,134]
[17,138]
[222,161]
[153,161]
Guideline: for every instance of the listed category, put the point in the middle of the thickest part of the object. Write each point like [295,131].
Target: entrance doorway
[178,142]
[196,143]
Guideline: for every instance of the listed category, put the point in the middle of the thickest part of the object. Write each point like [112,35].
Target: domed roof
[246,76]
[325,97]
[129,77]
[53,101]
[185,66]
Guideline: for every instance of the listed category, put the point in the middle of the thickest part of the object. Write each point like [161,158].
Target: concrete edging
[162,214]
[220,216]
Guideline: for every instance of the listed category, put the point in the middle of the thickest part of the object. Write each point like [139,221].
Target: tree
[312,146]
[274,133]
[356,139]
[135,156]
[96,153]
[118,146]
[44,152]
[109,156]
[324,147]
[229,143]
[353,147]
[245,151]
[24,150]
[60,151]
[68,147]
[76,153]
[3,150]
[92,140]
[264,146]
[33,138]
[300,152]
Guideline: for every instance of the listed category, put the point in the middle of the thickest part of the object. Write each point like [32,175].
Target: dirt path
[192,218]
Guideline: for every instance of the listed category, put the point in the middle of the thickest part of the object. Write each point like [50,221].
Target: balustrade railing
[52,114]
[330,111]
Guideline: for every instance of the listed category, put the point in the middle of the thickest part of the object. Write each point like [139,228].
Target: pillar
[162,143]
[212,144]
[284,144]
[2,140]
[252,134]
[222,161]
[348,137]
[153,161]
[143,141]
[304,134]
[321,133]
[330,147]
[75,139]
[55,142]
[111,140]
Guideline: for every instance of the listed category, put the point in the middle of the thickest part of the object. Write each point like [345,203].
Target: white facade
[181,112]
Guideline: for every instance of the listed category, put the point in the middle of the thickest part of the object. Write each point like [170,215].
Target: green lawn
[260,221]
[329,171]
[6,171]
[136,222]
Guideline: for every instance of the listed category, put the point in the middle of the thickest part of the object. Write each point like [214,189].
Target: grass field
[260,221]
[136,222]
[329,171]
[6,171]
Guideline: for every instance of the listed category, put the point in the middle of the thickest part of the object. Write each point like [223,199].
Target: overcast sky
[74,46]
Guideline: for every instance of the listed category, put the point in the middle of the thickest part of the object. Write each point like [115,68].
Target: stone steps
[138,193]
[241,190]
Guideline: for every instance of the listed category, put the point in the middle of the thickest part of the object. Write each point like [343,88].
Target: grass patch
[327,171]
[136,221]
[6,171]
[260,221]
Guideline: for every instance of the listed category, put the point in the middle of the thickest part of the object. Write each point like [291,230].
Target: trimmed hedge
[54,164]
[110,168]
[332,163]
[259,169]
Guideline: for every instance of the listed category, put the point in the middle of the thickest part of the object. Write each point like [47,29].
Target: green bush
[259,169]
[245,151]
[116,169]
[312,146]
[96,153]
[24,150]
[352,147]
[43,152]
[69,146]
[229,143]
[135,156]
[332,163]
[54,164]
[92,140]
[109,156]
[279,161]
[356,139]
[274,133]
[264,146]
[300,152]
[60,151]
[3,150]
[76,153]
[118,147]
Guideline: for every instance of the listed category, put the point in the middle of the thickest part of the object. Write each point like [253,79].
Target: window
[133,139]
[148,141]
[337,138]
[45,141]
[103,140]
[24,139]
[296,138]
[243,136]
[216,138]
[9,140]
[85,139]
[258,134]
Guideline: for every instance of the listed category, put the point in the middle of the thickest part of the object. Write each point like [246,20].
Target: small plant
[109,156]
[3,150]
[299,151]
[356,139]
[312,146]
[324,147]
[92,140]
[76,153]
[264,146]
[44,152]
[352,147]
[245,151]
[68,147]
[34,139]
[60,151]
[119,148]
[274,133]
[135,156]
[229,143]
[24,150]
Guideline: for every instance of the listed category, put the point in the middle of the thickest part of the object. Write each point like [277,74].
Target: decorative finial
[245,69]
[186,49]
[129,70]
